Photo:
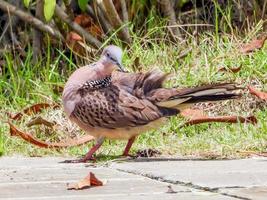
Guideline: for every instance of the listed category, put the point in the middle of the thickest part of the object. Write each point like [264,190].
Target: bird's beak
[121,68]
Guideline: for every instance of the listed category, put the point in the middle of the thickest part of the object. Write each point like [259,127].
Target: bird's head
[112,55]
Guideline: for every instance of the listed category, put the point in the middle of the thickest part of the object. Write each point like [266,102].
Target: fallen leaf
[36,108]
[226,119]
[234,70]
[74,40]
[39,120]
[261,95]
[170,190]
[14,131]
[197,116]
[88,181]
[83,20]
[253,45]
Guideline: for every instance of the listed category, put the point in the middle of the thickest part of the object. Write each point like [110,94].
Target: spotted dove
[107,102]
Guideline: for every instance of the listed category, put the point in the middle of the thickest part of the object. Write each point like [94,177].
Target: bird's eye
[108,55]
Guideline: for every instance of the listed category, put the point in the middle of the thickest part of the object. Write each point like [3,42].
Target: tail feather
[150,86]
[186,97]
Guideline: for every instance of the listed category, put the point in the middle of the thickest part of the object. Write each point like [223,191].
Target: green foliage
[23,84]
[49,9]
[82,4]
[26,3]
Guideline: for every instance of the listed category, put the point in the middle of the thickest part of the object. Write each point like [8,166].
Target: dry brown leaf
[73,39]
[170,190]
[14,131]
[197,116]
[253,45]
[39,120]
[87,22]
[234,70]
[36,108]
[226,119]
[261,95]
[88,181]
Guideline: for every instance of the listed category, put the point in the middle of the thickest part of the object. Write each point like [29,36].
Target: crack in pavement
[191,185]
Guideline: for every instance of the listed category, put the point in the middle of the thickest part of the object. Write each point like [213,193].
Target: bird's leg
[128,146]
[89,155]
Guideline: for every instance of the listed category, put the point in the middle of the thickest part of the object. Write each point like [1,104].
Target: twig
[77,28]
[12,23]
[37,35]
[263,9]
[69,9]
[38,24]
[184,53]
[169,12]
[124,11]
[115,21]
[100,17]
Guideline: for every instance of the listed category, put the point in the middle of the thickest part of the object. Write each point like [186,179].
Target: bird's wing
[113,107]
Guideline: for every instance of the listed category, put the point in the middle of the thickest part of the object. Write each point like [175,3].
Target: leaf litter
[89,181]
[54,130]
[253,45]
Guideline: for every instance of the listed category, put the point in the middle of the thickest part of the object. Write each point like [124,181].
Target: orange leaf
[253,45]
[72,36]
[14,131]
[87,22]
[36,108]
[83,20]
[89,180]
[261,95]
[234,70]
[226,119]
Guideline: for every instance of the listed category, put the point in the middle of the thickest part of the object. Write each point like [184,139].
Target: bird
[108,102]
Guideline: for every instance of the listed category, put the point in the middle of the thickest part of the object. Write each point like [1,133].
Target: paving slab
[256,192]
[244,178]
[46,178]
[204,173]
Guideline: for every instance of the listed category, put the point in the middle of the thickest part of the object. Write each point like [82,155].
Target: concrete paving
[46,178]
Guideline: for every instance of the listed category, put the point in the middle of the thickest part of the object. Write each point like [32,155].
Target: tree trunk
[37,35]
[168,11]
[116,22]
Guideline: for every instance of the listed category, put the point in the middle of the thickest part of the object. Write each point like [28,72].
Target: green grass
[23,84]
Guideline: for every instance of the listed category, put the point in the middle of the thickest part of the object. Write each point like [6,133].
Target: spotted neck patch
[96,84]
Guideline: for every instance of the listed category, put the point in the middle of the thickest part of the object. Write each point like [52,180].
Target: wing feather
[112,108]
